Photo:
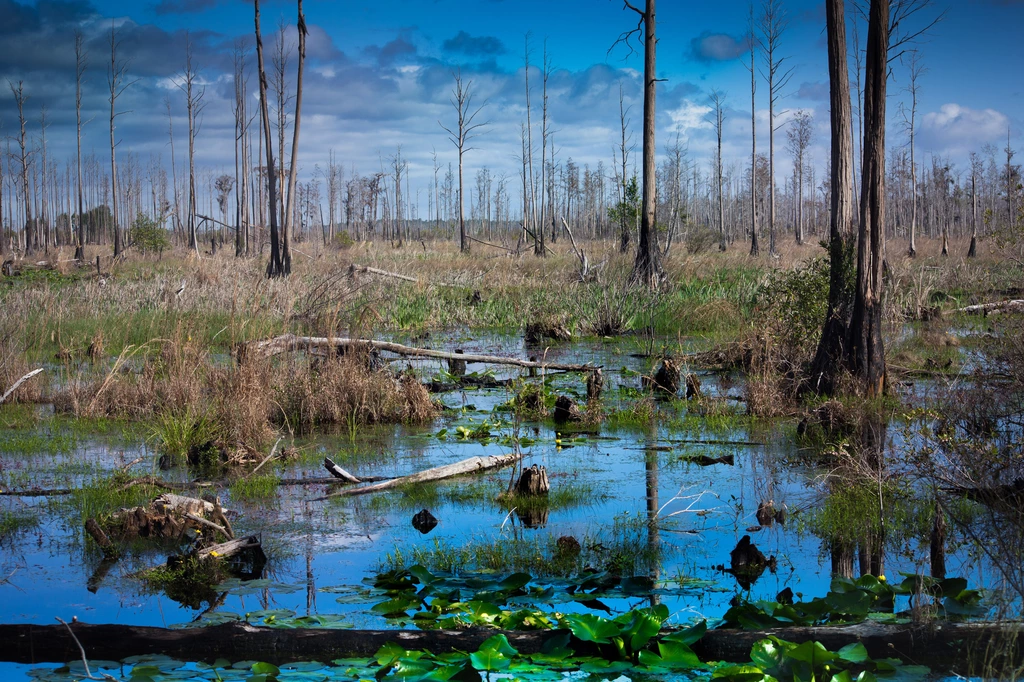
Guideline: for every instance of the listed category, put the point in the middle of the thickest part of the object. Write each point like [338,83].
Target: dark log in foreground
[941,646]
[290,342]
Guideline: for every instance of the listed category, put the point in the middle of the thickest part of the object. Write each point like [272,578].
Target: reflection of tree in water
[976,460]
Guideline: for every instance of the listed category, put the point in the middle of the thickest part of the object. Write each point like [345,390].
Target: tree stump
[533,517]
[533,482]
[595,384]
[536,332]
[457,368]
[692,386]
[566,410]
[424,521]
[747,562]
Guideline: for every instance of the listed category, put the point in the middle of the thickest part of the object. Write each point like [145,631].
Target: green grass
[12,522]
[102,497]
[624,549]
[255,488]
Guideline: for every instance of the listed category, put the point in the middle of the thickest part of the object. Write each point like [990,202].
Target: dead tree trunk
[275,268]
[286,256]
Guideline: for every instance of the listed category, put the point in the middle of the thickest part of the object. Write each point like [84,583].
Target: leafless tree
[773,25]
[910,124]
[286,256]
[718,111]
[800,133]
[625,147]
[977,168]
[530,212]
[43,219]
[81,61]
[194,93]
[31,233]
[117,80]
[755,248]
[275,268]
[647,266]
[242,120]
[467,129]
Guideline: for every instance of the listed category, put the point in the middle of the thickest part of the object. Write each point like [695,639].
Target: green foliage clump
[791,307]
[262,487]
[148,236]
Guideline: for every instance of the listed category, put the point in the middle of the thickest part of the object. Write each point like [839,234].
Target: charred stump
[667,378]
[692,386]
[533,482]
[424,521]
[566,410]
[595,384]
[457,368]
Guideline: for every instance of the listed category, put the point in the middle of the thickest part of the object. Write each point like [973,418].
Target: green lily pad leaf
[591,628]
[766,653]
[739,673]
[689,635]
[489,660]
[814,653]
[854,653]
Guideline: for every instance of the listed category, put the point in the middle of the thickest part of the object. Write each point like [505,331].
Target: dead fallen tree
[961,647]
[1015,306]
[287,343]
[467,466]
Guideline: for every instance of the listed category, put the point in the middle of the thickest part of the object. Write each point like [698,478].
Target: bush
[791,307]
[148,236]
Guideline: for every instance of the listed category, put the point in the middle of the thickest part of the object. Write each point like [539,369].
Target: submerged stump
[566,410]
[533,482]
[667,378]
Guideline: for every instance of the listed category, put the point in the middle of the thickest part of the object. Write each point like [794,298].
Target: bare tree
[755,248]
[43,219]
[275,267]
[286,255]
[800,133]
[81,61]
[910,123]
[647,267]
[242,120]
[466,130]
[718,111]
[530,213]
[625,147]
[117,79]
[194,93]
[31,233]
[773,25]
[977,168]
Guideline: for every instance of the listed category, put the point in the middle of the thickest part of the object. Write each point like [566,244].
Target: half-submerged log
[472,465]
[338,472]
[959,647]
[289,342]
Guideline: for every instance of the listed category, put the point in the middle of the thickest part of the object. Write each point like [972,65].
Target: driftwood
[226,550]
[19,382]
[338,472]
[97,534]
[1015,306]
[467,466]
[290,342]
[960,647]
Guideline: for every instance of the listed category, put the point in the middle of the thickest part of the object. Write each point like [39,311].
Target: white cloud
[689,116]
[955,128]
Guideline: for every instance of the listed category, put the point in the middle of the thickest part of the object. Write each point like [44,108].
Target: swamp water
[666,500]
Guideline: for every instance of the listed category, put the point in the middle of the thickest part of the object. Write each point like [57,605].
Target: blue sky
[379,75]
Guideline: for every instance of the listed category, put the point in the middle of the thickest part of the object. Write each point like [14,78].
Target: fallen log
[1015,306]
[289,342]
[959,647]
[467,466]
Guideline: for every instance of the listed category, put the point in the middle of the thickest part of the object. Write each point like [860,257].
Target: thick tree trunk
[865,349]
[286,255]
[830,353]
